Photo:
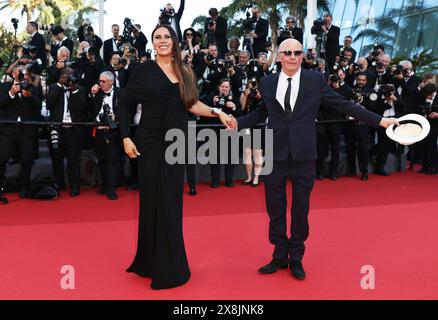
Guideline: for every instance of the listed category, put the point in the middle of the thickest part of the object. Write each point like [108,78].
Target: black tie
[287,105]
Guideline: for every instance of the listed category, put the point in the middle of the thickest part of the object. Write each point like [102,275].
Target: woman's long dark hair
[186,77]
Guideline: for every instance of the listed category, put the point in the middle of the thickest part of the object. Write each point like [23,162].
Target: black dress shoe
[273,266]
[432,172]
[75,191]
[423,170]
[192,192]
[297,270]
[229,184]
[319,177]
[111,194]
[215,185]
[102,191]
[381,172]
[132,187]
[364,177]
[351,174]
[334,177]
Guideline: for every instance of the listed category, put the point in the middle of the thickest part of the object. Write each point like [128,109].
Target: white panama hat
[413,128]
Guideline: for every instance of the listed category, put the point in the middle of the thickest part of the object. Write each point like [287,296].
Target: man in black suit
[86,33]
[61,41]
[37,40]
[291,100]
[215,30]
[19,104]
[108,142]
[260,32]
[112,45]
[290,31]
[430,107]
[120,73]
[66,103]
[139,40]
[169,17]
[330,46]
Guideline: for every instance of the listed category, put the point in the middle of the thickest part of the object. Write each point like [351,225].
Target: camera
[223,99]
[23,82]
[54,137]
[209,58]
[398,70]
[72,81]
[28,50]
[317,28]
[229,64]
[356,94]
[356,67]
[426,109]
[127,30]
[90,51]
[106,117]
[334,78]
[387,90]
[249,23]
[15,22]
[166,16]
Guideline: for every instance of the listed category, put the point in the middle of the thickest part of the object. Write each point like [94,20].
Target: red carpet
[388,223]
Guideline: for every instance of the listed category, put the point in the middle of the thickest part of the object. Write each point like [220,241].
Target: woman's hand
[130,148]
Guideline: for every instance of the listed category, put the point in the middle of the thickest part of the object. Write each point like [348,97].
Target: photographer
[61,41]
[309,60]
[66,103]
[374,55]
[407,83]
[348,41]
[54,71]
[208,71]
[119,72]
[360,67]
[258,34]
[138,39]
[290,31]
[383,71]
[224,100]
[19,101]
[169,17]
[190,47]
[329,40]
[429,108]
[333,131]
[215,30]
[357,133]
[37,41]
[233,47]
[389,105]
[86,33]
[112,45]
[89,66]
[129,58]
[249,101]
[107,136]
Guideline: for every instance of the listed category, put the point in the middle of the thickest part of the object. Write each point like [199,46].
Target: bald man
[291,100]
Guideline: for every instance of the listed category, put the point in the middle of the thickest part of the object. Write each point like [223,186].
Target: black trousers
[430,155]
[356,137]
[109,155]
[302,175]
[330,139]
[215,169]
[70,147]
[384,146]
[26,148]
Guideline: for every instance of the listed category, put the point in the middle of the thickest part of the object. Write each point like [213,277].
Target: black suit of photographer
[216,168]
[384,144]
[210,73]
[68,43]
[108,49]
[331,46]
[121,76]
[331,134]
[356,136]
[108,143]
[89,71]
[410,93]
[38,41]
[23,136]
[262,31]
[70,137]
[218,37]
[94,40]
[430,153]
[140,43]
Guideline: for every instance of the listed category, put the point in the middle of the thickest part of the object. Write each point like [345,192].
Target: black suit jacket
[122,76]
[76,104]
[98,100]
[140,43]
[28,109]
[177,18]
[108,50]
[220,35]
[66,43]
[296,136]
[332,45]
[38,41]
[262,30]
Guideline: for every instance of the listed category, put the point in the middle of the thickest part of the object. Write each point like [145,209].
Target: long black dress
[161,254]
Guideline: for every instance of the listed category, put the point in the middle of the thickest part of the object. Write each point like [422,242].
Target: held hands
[386,122]
[130,149]
[229,122]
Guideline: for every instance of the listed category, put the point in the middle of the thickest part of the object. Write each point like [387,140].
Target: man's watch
[216,111]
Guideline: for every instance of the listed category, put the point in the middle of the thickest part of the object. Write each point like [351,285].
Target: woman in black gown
[166,88]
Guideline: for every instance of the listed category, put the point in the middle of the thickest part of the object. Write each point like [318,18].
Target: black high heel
[246,183]
[256,184]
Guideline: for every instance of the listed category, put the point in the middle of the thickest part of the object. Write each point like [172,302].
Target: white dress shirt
[282,88]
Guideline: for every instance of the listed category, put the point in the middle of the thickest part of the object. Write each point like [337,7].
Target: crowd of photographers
[67,84]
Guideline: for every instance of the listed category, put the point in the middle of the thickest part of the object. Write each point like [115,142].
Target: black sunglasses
[189,34]
[288,53]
